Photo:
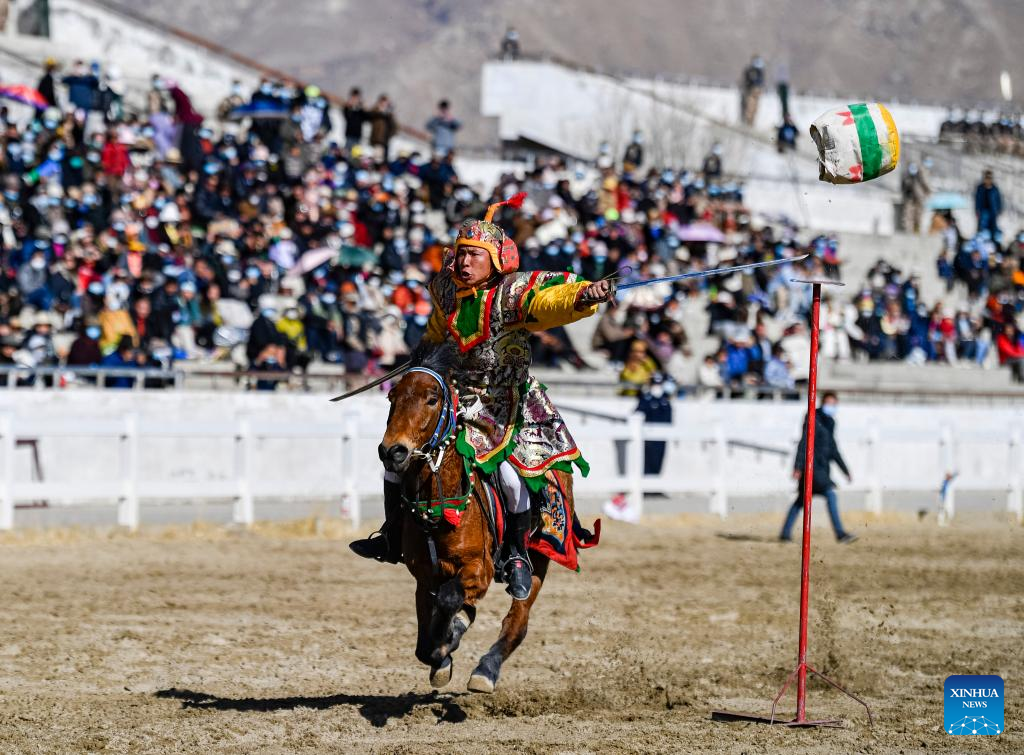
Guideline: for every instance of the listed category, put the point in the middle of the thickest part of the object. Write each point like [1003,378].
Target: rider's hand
[596,292]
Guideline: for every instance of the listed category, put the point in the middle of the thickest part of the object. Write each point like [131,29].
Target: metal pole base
[798,722]
[732,716]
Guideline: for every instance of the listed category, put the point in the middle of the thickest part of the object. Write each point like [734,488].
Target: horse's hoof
[480,683]
[441,675]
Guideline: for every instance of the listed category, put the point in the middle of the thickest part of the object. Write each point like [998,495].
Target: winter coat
[826,451]
[382,127]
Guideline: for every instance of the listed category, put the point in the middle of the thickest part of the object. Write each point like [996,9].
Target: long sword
[373,383]
[709,273]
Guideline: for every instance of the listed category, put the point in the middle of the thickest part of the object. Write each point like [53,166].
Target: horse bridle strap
[430,510]
[446,421]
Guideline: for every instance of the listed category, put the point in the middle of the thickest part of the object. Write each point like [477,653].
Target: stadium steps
[901,376]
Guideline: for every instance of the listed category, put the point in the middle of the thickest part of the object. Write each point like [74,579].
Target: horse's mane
[439,358]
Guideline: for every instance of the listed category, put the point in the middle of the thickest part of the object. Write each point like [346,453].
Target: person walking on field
[826,451]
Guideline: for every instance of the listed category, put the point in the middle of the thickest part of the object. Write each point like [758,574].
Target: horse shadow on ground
[376,709]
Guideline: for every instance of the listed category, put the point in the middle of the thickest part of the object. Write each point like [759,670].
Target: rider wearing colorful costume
[508,425]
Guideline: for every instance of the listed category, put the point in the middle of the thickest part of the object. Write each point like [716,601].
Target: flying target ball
[856,143]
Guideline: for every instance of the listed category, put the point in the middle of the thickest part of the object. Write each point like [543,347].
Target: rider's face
[473,265]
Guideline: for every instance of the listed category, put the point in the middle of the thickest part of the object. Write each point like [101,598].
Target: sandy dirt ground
[279,640]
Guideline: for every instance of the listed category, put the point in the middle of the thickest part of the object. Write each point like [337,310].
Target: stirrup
[375,546]
[518,575]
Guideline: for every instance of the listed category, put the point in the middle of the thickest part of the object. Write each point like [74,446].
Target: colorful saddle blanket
[559,534]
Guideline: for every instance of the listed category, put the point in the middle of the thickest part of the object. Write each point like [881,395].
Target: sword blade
[373,383]
[709,273]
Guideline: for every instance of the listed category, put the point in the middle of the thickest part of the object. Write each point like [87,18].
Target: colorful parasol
[26,95]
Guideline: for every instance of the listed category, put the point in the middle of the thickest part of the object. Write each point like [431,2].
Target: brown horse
[453,565]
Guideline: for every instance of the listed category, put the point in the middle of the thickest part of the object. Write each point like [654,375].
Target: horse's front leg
[424,615]
[447,623]
[453,615]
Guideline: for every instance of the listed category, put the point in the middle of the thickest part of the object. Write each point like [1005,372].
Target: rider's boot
[517,572]
[386,543]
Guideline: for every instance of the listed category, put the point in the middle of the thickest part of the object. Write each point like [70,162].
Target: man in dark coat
[656,406]
[826,451]
[355,116]
[988,204]
[47,86]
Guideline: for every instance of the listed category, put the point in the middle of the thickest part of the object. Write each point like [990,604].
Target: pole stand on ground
[802,667]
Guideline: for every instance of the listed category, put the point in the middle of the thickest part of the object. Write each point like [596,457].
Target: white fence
[128,487]
[715,459]
[720,450]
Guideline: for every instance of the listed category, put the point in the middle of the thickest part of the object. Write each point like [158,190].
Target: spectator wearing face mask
[262,335]
[38,343]
[233,100]
[416,324]
[83,85]
[85,349]
[656,406]
[33,280]
[291,327]
[115,321]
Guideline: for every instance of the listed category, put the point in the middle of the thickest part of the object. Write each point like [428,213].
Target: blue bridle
[446,421]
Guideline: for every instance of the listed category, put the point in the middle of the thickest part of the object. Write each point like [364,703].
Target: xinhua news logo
[973,705]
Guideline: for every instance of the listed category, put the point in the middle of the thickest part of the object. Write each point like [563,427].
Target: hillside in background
[421,50]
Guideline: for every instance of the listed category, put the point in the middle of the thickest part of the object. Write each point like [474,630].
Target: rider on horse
[508,426]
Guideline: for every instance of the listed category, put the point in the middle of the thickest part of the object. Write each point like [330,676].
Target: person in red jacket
[1011,351]
[115,156]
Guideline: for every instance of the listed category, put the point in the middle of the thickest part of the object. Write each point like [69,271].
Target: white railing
[715,459]
[128,487]
[881,458]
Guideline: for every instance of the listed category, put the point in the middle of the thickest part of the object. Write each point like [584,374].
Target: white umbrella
[313,259]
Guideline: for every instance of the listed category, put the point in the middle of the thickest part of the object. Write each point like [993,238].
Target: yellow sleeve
[436,327]
[556,305]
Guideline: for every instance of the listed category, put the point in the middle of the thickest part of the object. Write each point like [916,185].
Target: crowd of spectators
[144,238]
[977,135]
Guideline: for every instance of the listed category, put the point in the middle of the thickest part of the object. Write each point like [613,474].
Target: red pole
[805,563]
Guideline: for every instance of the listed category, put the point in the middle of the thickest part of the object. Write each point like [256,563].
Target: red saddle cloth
[560,536]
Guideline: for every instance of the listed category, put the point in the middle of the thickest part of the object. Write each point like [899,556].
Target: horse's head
[422,413]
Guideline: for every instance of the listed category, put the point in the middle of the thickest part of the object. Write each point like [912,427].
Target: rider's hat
[488,235]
